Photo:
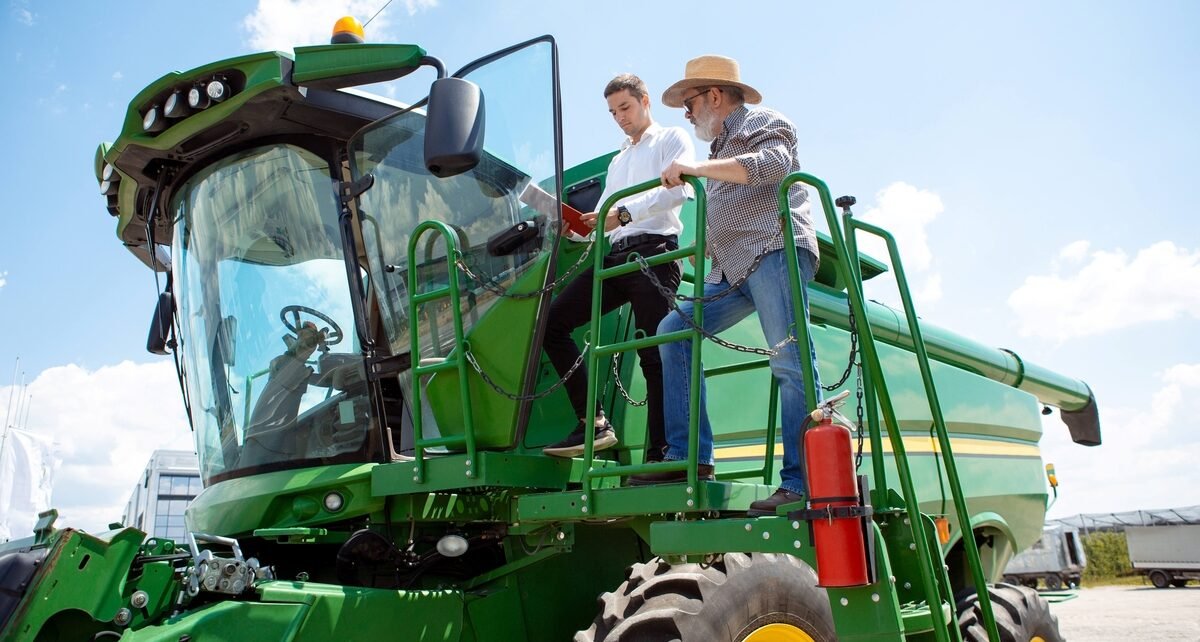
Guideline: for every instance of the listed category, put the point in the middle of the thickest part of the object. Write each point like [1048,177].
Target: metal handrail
[456,360]
[852,278]
[935,408]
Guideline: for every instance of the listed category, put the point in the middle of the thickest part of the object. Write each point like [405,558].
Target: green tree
[1107,556]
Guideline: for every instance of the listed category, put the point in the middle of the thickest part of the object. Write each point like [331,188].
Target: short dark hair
[628,82]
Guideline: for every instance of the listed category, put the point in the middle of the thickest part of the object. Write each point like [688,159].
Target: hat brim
[673,96]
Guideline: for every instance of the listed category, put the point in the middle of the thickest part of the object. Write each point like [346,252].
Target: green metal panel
[282,499]
[346,62]
[639,500]
[77,585]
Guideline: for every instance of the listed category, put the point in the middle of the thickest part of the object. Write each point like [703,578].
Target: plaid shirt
[743,220]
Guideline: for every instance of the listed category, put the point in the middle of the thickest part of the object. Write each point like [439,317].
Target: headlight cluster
[185,101]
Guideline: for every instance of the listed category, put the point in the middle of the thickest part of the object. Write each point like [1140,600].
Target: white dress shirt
[655,211]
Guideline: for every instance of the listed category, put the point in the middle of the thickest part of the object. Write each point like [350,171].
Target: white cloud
[1109,292]
[1147,457]
[1074,252]
[284,24]
[906,212]
[106,423]
[21,12]
[3,279]
[117,75]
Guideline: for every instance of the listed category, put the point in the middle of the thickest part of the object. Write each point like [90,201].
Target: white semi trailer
[1168,555]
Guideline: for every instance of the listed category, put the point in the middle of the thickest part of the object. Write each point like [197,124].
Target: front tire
[753,598]
[1053,582]
[1160,579]
[1021,615]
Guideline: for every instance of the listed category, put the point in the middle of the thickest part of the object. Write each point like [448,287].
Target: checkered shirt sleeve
[743,220]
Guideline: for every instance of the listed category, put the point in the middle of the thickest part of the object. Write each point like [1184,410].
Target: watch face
[623,215]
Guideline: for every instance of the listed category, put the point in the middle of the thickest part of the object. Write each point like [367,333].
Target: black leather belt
[623,244]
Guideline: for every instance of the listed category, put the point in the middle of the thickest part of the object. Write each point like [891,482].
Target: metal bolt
[139,599]
[690,503]
[583,497]
[907,522]
[766,534]
[748,528]
[796,544]
[907,585]
[689,490]
[470,474]
[874,597]
[795,526]
[124,616]
[845,602]
[584,509]
[467,463]
[912,546]
[561,536]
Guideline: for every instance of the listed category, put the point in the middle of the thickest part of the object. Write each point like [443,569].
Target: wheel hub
[778,632]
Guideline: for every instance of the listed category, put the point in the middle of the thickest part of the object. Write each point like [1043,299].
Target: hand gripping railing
[846,247]
[456,360]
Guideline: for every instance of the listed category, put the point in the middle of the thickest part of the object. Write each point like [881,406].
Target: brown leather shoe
[770,505]
[703,471]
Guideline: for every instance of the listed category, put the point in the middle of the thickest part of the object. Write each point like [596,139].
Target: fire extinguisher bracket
[831,512]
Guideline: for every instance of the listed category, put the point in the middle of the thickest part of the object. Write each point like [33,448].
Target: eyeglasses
[687,102]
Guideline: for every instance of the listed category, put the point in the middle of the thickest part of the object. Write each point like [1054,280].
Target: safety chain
[497,290]
[621,388]
[853,351]
[858,384]
[545,393]
[672,298]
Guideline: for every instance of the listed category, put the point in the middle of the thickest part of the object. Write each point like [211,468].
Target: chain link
[545,393]
[461,262]
[621,387]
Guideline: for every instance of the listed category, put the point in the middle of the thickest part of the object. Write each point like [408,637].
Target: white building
[170,481]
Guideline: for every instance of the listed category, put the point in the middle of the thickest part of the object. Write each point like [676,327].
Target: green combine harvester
[354,295]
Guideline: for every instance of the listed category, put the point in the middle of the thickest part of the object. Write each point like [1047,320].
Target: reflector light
[153,121]
[108,172]
[197,98]
[217,90]
[176,106]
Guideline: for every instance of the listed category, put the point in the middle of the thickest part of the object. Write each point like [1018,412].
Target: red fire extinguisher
[836,510]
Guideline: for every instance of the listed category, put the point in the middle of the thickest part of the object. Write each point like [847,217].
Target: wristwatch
[623,215]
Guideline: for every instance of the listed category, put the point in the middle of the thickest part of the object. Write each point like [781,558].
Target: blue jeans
[765,292]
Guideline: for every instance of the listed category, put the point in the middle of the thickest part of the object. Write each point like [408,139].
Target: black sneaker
[572,446]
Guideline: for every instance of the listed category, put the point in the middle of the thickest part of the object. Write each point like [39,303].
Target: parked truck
[354,294]
[1057,559]
[1168,555]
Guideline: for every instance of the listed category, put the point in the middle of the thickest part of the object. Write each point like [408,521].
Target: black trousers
[573,308]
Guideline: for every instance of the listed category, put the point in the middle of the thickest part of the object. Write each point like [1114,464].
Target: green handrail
[935,408]
[600,273]
[871,362]
[456,361]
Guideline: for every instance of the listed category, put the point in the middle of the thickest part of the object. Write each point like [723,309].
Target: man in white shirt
[646,223]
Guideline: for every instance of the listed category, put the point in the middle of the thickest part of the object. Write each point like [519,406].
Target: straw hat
[708,71]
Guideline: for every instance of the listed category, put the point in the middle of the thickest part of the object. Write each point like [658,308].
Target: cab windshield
[274,372]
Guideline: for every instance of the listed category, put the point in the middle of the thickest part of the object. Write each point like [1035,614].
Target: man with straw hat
[752,149]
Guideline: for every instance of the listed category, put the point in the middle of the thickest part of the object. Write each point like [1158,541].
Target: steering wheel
[290,315]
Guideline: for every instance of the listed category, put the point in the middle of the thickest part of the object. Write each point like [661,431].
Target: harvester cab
[355,298]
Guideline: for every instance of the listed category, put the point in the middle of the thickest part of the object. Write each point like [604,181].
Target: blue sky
[1038,162]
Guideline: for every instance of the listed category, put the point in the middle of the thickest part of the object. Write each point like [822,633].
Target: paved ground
[1121,613]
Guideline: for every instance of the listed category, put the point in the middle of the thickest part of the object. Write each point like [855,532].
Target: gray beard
[707,129]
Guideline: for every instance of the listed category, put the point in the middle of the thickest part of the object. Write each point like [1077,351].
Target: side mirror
[453,127]
[159,341]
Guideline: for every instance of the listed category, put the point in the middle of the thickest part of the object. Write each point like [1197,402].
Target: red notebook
[542,201]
